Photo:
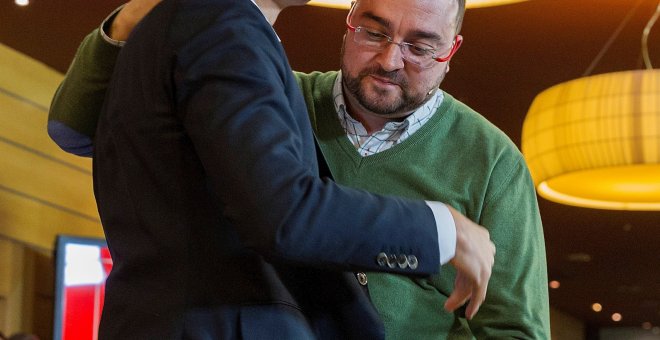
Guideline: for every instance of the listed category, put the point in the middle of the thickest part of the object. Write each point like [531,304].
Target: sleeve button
[381,259]
[391,261]
[362,278]
[412,262]
[402,261]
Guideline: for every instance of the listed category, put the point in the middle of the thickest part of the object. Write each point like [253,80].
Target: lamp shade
[595,141]
[469,3]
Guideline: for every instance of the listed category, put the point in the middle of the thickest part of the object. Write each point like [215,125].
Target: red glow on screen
[85,269]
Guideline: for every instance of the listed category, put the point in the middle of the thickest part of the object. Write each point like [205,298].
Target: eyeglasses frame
[456,43]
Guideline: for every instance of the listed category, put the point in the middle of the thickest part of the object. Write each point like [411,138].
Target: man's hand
[128,17]
[474,259]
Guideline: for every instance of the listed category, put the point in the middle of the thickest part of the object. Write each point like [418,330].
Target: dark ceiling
[510,54]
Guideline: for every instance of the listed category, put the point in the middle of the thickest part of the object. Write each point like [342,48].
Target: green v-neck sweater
[459,158]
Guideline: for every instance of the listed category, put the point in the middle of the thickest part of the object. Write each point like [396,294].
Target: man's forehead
[429,14]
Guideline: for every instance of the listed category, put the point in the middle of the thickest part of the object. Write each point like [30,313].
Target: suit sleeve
[516,305]
[77,103]
[232,97]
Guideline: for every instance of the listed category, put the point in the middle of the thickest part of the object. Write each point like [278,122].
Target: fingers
[460,295]
[474,260]
[478,284]
[465,290]
[478,297]
[129,16]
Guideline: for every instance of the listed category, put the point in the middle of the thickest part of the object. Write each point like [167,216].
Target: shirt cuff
[446,226]
[105,26]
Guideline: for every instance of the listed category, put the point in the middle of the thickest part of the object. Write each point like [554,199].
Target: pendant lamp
[595,141]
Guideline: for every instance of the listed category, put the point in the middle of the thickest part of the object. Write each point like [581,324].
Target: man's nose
[391,57]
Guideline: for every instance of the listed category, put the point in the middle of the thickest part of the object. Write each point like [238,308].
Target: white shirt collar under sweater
[392,133]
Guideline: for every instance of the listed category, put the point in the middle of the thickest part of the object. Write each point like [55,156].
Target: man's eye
[419,50]
[376,36]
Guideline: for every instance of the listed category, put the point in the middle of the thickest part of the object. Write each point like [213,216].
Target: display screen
[81,267]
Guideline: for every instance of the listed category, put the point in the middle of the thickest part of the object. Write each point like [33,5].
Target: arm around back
[77,103]
[246,118]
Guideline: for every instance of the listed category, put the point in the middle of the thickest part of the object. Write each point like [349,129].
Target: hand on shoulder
[129,16]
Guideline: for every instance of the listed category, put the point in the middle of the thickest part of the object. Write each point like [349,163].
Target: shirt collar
[262,13]
[421,114]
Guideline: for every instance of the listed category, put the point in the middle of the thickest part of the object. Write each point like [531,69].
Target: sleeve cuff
[105,26]
[446,227]
[69,139]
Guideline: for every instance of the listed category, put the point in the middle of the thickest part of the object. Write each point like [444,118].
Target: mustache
[394,77]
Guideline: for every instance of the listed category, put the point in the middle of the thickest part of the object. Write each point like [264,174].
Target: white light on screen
[22,2]
[83,265]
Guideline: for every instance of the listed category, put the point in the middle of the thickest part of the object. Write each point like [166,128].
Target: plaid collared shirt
[392,133]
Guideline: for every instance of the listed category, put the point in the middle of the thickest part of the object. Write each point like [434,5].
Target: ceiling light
[345,4]
[554,284]
[595,141]
[616,317]
[597,307]
[22,2]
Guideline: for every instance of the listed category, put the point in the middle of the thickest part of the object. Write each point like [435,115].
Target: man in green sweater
[383,125]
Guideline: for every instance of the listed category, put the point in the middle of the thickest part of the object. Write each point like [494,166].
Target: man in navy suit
[206,179]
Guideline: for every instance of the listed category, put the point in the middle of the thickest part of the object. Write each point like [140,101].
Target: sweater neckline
[331,131]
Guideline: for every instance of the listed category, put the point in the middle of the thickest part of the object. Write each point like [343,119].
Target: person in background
[207,185]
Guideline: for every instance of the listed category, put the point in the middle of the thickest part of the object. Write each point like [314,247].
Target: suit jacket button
[391,261]
[412,261]
[362,278]
[402,261]
[381,259]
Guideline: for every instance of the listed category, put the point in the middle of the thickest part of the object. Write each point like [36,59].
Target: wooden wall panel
[37,223]
[26,77]
[26,289]
[23,123]
[12,286]
[47,180]
[43,190]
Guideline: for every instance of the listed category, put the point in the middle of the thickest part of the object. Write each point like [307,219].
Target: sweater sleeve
[77,103]
[517,304]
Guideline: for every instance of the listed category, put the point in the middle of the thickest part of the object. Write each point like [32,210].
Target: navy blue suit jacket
[206,179]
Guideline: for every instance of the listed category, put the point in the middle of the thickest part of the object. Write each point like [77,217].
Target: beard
[376,100]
